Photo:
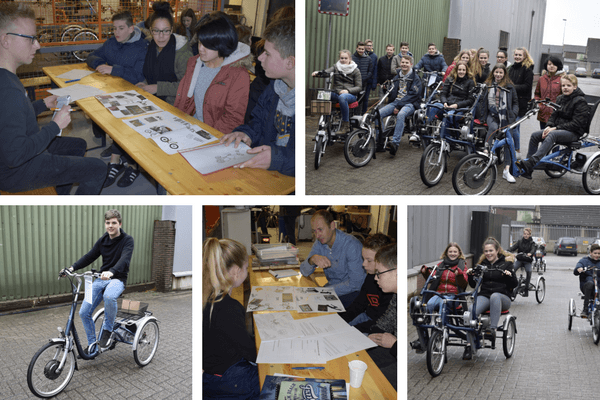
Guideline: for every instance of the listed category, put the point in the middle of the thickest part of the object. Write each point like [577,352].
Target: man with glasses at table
[340,256]
[30,157]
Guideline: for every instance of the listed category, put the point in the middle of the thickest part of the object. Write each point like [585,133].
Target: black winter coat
[524,246]
[522,78]
[384,69]
[485,72]
[458,92]
[495,280]
[365,66]
[573,115]
[512,103]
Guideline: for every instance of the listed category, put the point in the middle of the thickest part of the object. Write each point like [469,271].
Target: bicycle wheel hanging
[84,35]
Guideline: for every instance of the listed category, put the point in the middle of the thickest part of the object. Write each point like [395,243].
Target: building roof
[570,215]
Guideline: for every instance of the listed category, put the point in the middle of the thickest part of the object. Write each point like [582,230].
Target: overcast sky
[583,21]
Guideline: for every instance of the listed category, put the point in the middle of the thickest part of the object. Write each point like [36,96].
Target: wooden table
[374,386]
[172,172]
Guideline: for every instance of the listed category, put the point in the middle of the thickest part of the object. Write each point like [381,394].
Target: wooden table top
[173,172]
[374,386]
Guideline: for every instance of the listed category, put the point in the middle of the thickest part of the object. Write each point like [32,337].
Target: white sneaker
[414,138]
[506,175]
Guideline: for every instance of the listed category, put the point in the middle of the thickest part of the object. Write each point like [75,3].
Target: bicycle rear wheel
[464,177]
[591,177]
[43,376]
[357,150]
[432,165]
[146,343]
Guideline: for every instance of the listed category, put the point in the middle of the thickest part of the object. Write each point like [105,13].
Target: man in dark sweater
[30,157]
[116,248]
[371,302]
[384,65]
[365,66]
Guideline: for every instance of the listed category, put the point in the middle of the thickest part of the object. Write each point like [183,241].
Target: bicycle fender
[589,160]
[64,341]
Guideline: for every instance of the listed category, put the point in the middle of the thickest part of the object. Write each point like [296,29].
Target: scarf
[346,68]
[497,105]
[160,66]
[284,116]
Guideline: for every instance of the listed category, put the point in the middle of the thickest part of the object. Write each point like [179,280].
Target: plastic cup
[357,372]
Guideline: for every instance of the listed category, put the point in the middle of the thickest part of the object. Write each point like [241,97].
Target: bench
[48,191]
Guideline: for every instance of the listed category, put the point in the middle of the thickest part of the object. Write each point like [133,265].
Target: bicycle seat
[353,105]
[480,123]
[502,313]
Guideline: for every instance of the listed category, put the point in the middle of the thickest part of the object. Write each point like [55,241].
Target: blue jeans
[107,290]
[344,100]
[61,164]
[448,122]
[493,125]
[239,382]
[554,137]
[404,112]
[516,134]
[497,303]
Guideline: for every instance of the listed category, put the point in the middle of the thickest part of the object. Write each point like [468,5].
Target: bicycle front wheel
[320,142]
[44,377]
[466,179]
[146,340]
[359,148]
[432,165]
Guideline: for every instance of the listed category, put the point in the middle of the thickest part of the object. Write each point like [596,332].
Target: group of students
[214,86]
[229,353]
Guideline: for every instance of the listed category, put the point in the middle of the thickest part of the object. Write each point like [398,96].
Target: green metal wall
[37,241]
[417,22]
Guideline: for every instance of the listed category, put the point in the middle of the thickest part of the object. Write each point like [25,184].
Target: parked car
[565,245]
[580,71]
[596,73]
[597,241]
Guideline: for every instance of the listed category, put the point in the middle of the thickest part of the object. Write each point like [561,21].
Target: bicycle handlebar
[65,271]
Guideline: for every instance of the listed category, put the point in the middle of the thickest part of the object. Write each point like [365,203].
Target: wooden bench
[31,85]
[48,191]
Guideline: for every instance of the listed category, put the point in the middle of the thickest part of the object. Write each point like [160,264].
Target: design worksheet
[302,299]
[127,104]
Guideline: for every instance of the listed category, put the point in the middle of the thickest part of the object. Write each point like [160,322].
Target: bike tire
[540,291]
[509,337]
[69,33]
[318,150]
[83,35]
[42,378]
[146,343]
[572,312]
[357,151]
[431,171]
[596,327]
[436,353]
[555,173]
[467,168]
[544,264]
[591,177]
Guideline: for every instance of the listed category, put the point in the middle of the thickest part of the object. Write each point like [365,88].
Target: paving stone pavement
[399,175]
[549,361]
[113,374]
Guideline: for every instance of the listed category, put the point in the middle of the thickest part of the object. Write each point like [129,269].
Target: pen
[319,368]
[72,80]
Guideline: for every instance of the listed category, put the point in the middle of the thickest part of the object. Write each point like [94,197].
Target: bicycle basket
[320,107]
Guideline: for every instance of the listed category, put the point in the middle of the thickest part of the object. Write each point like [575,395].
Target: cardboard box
[320,107]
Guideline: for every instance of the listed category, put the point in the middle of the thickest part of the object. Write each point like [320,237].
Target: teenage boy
[365,66]
[586,278]
[404,51]
[116,248]
[271,131]
[30,157]
[122,55]
[373,83]
[408,88]
[384,65]
[432,61]
[340,256]
[371,302]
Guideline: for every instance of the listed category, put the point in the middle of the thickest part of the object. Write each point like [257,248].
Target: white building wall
[478,24]
[182,258]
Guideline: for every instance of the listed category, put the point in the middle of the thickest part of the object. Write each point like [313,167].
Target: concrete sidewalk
[113,374]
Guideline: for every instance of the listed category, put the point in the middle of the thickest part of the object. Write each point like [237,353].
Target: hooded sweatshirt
[217,96]
[127,59]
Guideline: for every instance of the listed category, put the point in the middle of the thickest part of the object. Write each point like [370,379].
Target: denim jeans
[492,127]
[404,112]
[497,303]
[239,382]
[516,134]
[108,290]
[344,100]
[518,264]
[554,137]
[61,164]
[448,122]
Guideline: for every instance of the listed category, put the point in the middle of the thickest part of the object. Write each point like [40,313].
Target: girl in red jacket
[548,87]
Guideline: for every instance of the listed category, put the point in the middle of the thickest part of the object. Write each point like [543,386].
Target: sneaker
[414,138]
[114,170]
[393,148]
[506,175]
[526,167]
[128,177]
[416,346]
[467,355]
[105,339]
[107,152]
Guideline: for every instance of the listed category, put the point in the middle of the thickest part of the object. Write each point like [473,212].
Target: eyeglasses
[156,32]
[32,38]
[380,273]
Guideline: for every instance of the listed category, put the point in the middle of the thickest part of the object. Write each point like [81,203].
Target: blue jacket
[365,66]
[373,80]
[432,63]
[587,275]
[127,59]
[263,131]
[413,90]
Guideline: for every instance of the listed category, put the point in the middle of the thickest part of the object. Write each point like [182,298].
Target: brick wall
[450,49]
[163,249]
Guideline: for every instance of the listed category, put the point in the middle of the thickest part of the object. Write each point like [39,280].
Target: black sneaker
[416,346]
[527,168]
[114,170]
[393,148]
[128,177]
[107,152]
[105,340]
[467,355]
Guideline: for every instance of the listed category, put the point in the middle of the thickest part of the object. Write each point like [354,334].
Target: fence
[551,233]
[37,241]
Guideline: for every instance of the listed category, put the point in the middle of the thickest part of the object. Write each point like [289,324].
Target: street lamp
[564,31]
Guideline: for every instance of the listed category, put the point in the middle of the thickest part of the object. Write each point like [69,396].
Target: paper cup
[357,372]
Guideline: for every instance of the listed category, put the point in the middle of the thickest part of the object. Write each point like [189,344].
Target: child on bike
[586,277]
[116,248]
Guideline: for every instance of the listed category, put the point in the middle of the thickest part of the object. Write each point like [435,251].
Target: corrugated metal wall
[417,22]
[37,241]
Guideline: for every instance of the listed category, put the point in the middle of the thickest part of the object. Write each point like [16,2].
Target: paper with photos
[127,104]
[302,299]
